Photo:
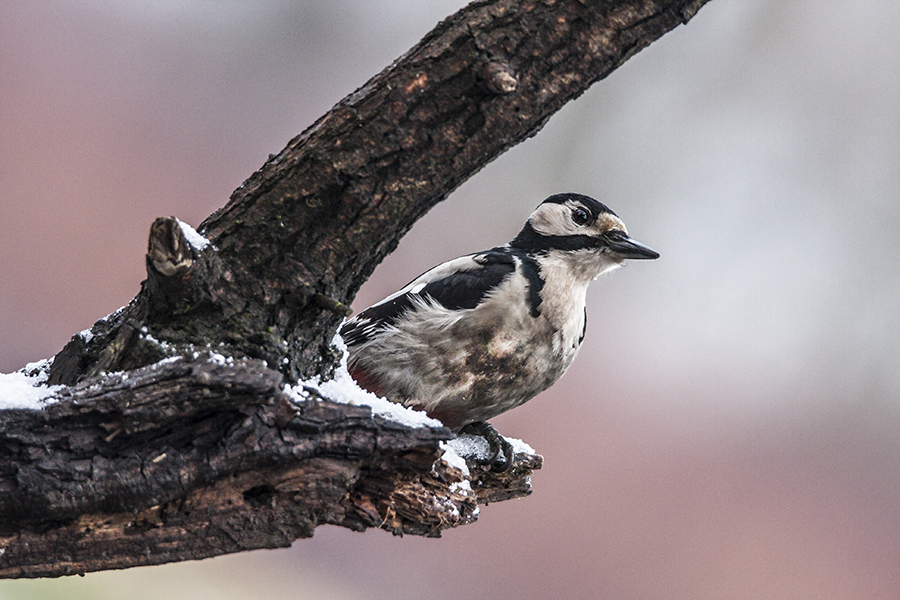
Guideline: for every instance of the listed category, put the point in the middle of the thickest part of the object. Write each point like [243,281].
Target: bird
[484,333]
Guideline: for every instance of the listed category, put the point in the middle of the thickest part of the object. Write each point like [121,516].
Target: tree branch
[189,459]
[195,456]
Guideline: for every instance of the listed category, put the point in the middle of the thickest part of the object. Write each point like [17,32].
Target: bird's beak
[626,247]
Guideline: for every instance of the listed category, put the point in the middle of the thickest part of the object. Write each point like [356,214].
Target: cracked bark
[191,458]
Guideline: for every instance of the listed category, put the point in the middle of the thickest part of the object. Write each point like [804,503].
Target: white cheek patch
[556,220]
[551,219]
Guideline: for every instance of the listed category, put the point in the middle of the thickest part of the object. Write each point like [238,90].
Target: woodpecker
[481,334]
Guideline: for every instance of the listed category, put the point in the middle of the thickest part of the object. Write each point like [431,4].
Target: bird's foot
[496,443]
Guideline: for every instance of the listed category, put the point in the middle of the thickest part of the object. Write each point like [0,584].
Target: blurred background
[730,429]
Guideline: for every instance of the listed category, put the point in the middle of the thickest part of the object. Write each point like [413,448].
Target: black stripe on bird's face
[532,242]
[615,241]
[573,222]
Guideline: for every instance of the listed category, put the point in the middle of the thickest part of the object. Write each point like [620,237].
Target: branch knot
[499,78]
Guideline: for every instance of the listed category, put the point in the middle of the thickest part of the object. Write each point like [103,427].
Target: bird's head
[581,232]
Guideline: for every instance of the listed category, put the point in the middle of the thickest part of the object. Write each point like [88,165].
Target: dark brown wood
[144,462]
[317,218]
[194,458]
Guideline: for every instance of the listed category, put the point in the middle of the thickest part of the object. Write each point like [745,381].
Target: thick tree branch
[320,215]
[187,457]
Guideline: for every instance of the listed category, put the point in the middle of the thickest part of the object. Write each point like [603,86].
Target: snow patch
[452,458]
[26,387]
[475,447]
[461,486]
[520,447]
[146,335]
[342,388]
[113,314]
[220,359]
[196,240]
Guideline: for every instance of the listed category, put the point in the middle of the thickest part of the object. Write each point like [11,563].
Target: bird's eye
[580,216]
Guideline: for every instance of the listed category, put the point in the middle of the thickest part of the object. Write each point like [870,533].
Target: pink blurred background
[730,429]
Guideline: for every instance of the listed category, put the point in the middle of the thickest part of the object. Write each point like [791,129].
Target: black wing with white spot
[458,284]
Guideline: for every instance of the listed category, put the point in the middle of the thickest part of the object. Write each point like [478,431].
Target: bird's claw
[496,443]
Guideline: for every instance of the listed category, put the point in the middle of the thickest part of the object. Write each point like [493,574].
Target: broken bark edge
[198,457]
[167,248]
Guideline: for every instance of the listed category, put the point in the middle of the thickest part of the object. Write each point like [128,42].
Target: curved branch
[160,450]
[317,218]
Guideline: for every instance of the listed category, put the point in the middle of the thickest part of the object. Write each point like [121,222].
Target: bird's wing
[457,284]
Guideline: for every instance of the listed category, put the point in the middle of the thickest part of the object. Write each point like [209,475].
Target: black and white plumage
[481,334]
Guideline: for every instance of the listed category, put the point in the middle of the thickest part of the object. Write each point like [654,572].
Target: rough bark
[299,237]
[194,458]
[190,458]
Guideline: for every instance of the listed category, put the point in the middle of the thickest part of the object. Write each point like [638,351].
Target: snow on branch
[192,458]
